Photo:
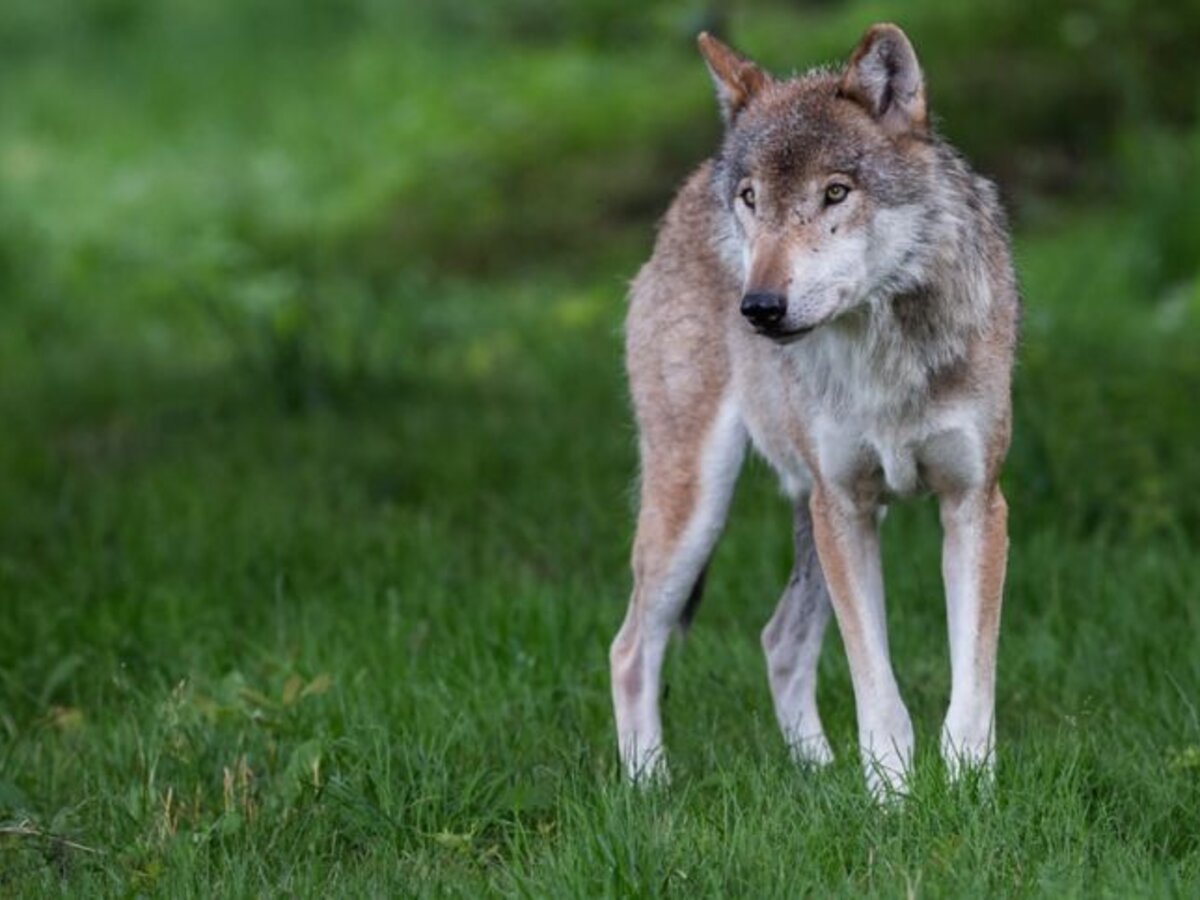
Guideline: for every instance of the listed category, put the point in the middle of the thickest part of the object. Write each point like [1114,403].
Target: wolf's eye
[835,193]
[747,195]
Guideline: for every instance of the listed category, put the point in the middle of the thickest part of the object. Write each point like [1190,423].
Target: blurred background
[310,360]
[303,199]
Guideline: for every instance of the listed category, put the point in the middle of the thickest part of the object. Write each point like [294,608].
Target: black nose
[764,309]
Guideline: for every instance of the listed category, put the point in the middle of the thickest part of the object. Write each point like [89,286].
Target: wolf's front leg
[847,538]
[685,492]
[974,555]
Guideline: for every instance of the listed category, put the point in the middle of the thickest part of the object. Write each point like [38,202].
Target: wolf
[834,287]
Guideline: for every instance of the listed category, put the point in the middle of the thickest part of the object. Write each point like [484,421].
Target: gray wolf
[834,287]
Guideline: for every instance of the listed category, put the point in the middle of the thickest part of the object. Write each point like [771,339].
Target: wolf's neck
[890,352]
[927,329]
[933,318]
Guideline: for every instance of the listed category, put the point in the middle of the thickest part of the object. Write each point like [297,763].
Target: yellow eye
[836,193]
[747,196]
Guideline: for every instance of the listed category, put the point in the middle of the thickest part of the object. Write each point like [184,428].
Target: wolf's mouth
[784,337]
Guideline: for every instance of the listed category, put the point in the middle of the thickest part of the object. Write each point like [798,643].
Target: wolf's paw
[810,752]
[969,757]
[647,770]
[887,763]
[968,745]
[887,779]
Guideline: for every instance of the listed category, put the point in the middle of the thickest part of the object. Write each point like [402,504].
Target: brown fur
[828,529]
[677,374]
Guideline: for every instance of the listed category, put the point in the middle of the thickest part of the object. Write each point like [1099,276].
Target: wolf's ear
[737,79]
[884,78]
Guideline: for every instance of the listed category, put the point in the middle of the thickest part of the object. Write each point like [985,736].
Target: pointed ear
[885,79]
[737,79]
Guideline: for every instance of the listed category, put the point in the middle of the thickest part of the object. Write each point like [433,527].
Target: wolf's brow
[850,164]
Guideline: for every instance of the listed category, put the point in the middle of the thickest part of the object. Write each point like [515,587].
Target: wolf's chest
[866,461]
[864,436]
[871,460]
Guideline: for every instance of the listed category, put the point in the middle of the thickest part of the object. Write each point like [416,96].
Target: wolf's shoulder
[691,234]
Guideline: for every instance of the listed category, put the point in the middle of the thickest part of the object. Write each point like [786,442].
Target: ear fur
[884,77]
[736,78]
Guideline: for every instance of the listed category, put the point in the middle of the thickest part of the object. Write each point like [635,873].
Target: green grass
[315,506]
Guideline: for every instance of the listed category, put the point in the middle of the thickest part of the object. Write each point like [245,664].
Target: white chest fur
[866,429]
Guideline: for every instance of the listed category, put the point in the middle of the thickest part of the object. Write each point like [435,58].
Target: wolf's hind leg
[792,644]
[685,495]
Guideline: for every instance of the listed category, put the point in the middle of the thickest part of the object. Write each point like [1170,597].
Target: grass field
[315,500]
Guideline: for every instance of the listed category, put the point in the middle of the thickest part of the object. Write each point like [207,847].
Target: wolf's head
[825,177]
